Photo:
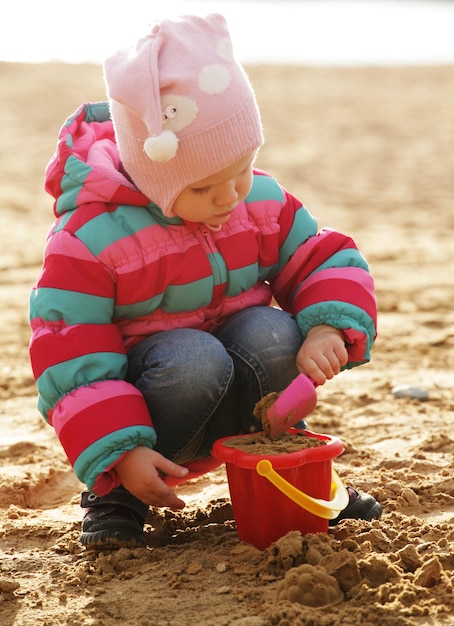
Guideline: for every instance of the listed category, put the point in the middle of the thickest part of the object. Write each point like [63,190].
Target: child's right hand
[139,472]
[322,354]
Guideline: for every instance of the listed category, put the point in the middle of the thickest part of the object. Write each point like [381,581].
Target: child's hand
[138,472]
[322,354]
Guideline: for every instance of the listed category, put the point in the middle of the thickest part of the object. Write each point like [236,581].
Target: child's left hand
[322,354]
[139,471]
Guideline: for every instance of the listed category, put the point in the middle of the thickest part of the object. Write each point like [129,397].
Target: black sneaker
[113,521]
[360,506]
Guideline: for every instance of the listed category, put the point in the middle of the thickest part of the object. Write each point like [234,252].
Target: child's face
[213,199]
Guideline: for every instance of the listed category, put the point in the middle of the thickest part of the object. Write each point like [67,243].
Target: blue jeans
[201,386]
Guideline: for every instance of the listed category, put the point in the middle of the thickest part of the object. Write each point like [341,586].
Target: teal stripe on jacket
[340,315]
[73,307]
[78,372]
[105,451]
[97,112]
[305,223]
[349,257]
[187,297]
[72,184]
[242,279]
[62,221]
[265,188]
[107,228]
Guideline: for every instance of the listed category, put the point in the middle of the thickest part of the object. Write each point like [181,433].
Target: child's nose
[226,194]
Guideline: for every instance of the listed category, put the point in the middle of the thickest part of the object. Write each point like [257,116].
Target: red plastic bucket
[262,512]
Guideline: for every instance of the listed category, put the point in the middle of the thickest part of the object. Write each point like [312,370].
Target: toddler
[154,318]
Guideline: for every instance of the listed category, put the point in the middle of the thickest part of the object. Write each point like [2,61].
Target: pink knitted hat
[183,108]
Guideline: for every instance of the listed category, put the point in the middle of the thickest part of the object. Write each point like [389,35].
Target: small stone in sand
[409,391]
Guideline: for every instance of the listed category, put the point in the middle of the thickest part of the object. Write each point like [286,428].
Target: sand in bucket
[263,512]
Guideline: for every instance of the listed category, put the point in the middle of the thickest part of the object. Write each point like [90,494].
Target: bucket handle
[327,509]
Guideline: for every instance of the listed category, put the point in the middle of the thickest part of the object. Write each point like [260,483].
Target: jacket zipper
[217,274]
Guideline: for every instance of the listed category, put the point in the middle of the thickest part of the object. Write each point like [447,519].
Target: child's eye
[201,190]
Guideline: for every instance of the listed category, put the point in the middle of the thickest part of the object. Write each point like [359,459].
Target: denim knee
[183,375]
[265,341]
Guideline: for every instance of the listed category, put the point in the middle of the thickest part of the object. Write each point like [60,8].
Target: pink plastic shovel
[295,403]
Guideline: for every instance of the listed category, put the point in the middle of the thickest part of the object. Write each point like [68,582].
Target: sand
[370,151]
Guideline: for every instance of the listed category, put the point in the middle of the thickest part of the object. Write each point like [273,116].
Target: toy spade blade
[295,403]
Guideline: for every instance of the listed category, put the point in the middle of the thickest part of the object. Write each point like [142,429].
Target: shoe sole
[109,539]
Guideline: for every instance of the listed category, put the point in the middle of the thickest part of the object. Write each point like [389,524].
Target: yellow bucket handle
[326,509]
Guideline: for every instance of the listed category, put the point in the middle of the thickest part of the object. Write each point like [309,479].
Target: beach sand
[370,152]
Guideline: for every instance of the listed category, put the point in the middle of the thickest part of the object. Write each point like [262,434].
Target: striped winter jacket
[116,270]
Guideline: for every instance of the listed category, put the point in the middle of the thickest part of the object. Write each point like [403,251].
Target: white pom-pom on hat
[161,148]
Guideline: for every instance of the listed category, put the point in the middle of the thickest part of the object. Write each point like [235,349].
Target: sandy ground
[370,151]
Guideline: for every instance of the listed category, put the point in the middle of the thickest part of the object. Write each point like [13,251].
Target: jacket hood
[86,166]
